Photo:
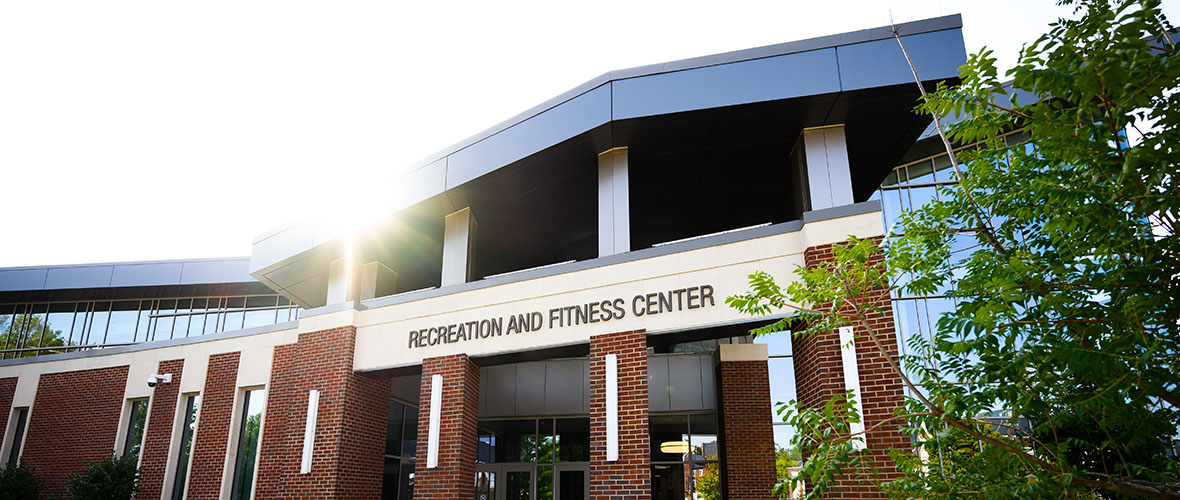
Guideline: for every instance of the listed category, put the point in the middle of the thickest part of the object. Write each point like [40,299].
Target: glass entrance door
[505,482]
[573,482]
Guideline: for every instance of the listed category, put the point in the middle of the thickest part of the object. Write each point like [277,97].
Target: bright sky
[160,130]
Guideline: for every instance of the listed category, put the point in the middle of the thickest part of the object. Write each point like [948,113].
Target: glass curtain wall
[192,405]
[29,329]
[401,449]
[249,428]
[684,455]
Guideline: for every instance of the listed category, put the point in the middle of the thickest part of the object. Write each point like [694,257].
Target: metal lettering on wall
[694,297]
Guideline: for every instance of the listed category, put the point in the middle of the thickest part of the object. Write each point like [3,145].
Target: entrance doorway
[520,482]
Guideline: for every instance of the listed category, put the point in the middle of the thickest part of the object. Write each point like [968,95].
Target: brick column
[454,478]
[153,457]
[7,392]
[747,434]
[209,446]
[630,476]
[348,454]
[73,423]
[819,375]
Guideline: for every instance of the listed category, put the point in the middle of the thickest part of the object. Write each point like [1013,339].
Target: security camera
[157,378]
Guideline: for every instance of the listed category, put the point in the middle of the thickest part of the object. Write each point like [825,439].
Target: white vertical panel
[852,381]
[614,205]
[612,408]
[458,243]
[435,421]
[839,170]
[313,412]
[829,177]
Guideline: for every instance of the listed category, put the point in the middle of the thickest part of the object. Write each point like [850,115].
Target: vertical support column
[614,203]
[343,285]
[211,442]
[458,248]
[823,154]
[345,453]
[7,392]
[453,473]
[747,440]
[158,435]
[629,475]
[819,374]
[377,280]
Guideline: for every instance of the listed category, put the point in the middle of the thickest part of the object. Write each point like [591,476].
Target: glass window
[97,331]
[235,315]
[410,434]
[180,325]
[35,334]
[21,417]
[213,316]
[507,441]
[164,320]
[394,428]
[782,384]
[544,482]
[546,443]
[702,430]
[124,316]
[81,319]
[136,421]
[192,405]
[669,438]
[921,172]
[59,322]
[248,430]
[573,440]
[260,310]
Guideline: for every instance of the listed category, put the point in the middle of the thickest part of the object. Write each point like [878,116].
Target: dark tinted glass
[393,429]
[507,441]
[573,439]
[669,438]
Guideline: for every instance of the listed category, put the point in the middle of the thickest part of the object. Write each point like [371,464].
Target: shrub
[111,479]
[19,482]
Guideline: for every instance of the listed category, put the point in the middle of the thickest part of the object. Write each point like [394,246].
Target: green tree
[784,459]
[1068,302]
[709,484]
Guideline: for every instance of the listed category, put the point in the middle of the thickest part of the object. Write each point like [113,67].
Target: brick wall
[454,478]
[7,391]
[747,439]
[213,424]
[819,375]
[73,422]
[153,456]
[630,476]
[348,456]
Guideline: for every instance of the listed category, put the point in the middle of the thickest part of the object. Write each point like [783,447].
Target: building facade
[541,316]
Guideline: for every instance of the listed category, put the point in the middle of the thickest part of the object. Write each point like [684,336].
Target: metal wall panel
[658,384]
[79,277]
[771,78]
[147,274]
[216,271]
[22,279]
[564,382]
[684,376]
[545,129]
[530,388]
[879,63]
[501,389]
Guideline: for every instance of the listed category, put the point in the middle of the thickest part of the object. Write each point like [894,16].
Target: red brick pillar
[630,476]
[747,434]
[819,375]
[74,421]
[153,457]
[7,392]
[454,477]
[209,446]
[348,454]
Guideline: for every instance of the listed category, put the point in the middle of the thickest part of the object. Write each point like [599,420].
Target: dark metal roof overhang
[708,139]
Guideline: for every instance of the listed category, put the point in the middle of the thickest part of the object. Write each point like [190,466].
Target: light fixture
[674,447]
